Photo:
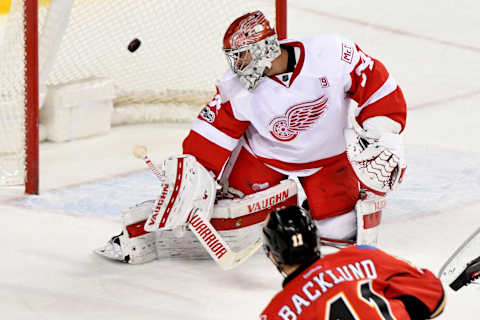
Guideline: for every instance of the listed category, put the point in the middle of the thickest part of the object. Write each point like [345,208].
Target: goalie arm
[376,92]
[374,145]
[215,133]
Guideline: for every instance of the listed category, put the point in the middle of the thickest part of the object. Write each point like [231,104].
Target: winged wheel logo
[297,118]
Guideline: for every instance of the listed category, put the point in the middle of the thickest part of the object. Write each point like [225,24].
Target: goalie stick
[206,234]
[463,266]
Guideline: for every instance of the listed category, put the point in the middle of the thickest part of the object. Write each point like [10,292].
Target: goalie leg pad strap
[140,248]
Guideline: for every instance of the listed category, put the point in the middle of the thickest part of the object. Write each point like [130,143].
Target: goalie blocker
[463,266]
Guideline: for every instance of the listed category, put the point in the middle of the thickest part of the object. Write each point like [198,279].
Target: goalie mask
[290,235]
[250,45]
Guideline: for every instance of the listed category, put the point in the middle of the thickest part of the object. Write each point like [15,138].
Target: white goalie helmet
[250,45]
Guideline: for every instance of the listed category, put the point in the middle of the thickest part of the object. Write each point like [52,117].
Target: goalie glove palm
[379,163]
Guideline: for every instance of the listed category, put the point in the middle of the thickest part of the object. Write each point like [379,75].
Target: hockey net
[168,78]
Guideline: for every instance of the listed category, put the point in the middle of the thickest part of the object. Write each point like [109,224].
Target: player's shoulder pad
[327,44]
[332,51]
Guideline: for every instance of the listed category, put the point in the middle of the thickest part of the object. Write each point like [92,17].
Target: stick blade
[468,275]
[233,259]
[463,266]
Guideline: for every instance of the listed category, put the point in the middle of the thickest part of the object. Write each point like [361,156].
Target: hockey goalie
[281,110]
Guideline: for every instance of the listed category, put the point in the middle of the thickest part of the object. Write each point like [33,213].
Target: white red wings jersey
[358,282]
[295,122]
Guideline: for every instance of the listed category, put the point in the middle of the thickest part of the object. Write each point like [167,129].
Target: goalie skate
[134,245]
[113,250]
[135,251]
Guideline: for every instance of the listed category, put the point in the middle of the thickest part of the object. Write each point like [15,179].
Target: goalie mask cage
[53,42]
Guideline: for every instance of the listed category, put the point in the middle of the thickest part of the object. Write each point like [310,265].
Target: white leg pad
[137,246]
[369,214]
[342,227]
[135,250]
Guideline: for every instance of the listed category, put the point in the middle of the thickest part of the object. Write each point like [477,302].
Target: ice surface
[48,270]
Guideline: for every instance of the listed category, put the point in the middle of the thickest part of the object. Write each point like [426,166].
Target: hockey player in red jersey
[357,282]
[283,110]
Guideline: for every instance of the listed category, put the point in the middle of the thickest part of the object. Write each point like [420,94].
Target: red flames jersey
[358,282]
[294,122]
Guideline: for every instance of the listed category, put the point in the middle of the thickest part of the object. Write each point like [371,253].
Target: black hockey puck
[134,45]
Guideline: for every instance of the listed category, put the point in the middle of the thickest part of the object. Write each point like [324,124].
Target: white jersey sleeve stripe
[214,135]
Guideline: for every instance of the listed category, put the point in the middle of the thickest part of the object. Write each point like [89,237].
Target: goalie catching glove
[376,153]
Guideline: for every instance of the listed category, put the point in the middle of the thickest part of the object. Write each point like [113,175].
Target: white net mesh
[12,100]
[179,58]
[169,77]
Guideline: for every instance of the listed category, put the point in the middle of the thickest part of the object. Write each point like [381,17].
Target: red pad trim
[136,229]
[301,166]
[393,106]
[176,190]
[226,122]
[249,219]
[220,224]
[203,149]
[372,220]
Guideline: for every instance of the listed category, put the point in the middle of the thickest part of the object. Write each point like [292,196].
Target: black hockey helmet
[290,235]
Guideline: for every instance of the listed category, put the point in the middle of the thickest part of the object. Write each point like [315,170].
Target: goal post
[48,44]
[281,18]
[31,98]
